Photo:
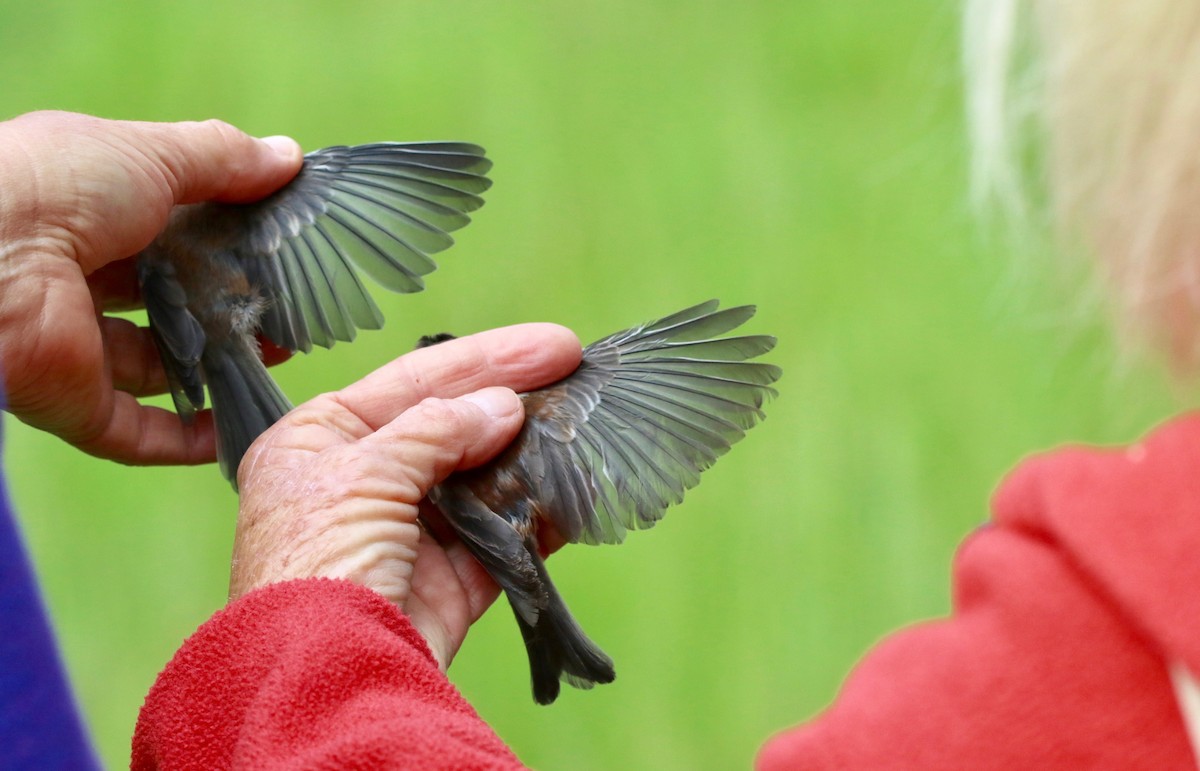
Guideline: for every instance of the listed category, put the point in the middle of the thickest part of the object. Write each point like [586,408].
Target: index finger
[521,357]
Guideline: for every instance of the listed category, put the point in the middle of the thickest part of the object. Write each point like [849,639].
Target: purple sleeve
[40,725]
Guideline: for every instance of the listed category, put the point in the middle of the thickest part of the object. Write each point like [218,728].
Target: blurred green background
[808,157]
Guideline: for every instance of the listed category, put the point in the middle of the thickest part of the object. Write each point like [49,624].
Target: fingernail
[496,402]
[285,147]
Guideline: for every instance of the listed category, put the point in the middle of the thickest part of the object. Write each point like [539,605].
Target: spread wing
[649,408]
[383,208]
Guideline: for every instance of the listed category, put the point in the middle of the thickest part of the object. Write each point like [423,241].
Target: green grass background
[808,157]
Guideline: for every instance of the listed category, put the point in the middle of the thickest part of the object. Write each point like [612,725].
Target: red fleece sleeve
[1067,610]
[310,674]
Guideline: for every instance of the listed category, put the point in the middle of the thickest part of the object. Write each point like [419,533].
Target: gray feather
[246,400]
[380,208]
[650,408]
[177,335]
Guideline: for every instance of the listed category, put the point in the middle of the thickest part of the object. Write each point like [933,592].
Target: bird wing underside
[380,208]
[649,408]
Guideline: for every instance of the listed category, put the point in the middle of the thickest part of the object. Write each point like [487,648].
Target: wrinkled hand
[78,194]
[333,489]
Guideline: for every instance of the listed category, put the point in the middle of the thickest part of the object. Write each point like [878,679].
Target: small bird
[288,266]
[603,451]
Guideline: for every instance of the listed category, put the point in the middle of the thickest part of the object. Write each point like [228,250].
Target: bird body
[603,451]
[288,267]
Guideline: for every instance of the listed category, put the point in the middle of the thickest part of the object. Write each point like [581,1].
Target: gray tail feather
[245,401]
[559,649]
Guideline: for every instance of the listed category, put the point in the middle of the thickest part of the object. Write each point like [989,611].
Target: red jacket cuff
[313,673]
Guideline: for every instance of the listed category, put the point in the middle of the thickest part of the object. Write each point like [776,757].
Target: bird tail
[245,400]
[558,648]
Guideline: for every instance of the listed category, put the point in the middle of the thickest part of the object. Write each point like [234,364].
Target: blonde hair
[1087,112]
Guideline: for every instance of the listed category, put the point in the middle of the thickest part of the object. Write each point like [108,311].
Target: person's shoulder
[1164,463]
[1126,518]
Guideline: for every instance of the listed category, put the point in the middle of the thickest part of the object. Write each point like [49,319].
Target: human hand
[334,488]
[77,195]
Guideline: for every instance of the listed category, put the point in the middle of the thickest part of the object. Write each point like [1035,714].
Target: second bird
[603,451]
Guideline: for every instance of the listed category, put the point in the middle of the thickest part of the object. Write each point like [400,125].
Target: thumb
[114,182]
[212,160]
[436,437]
[316,502]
